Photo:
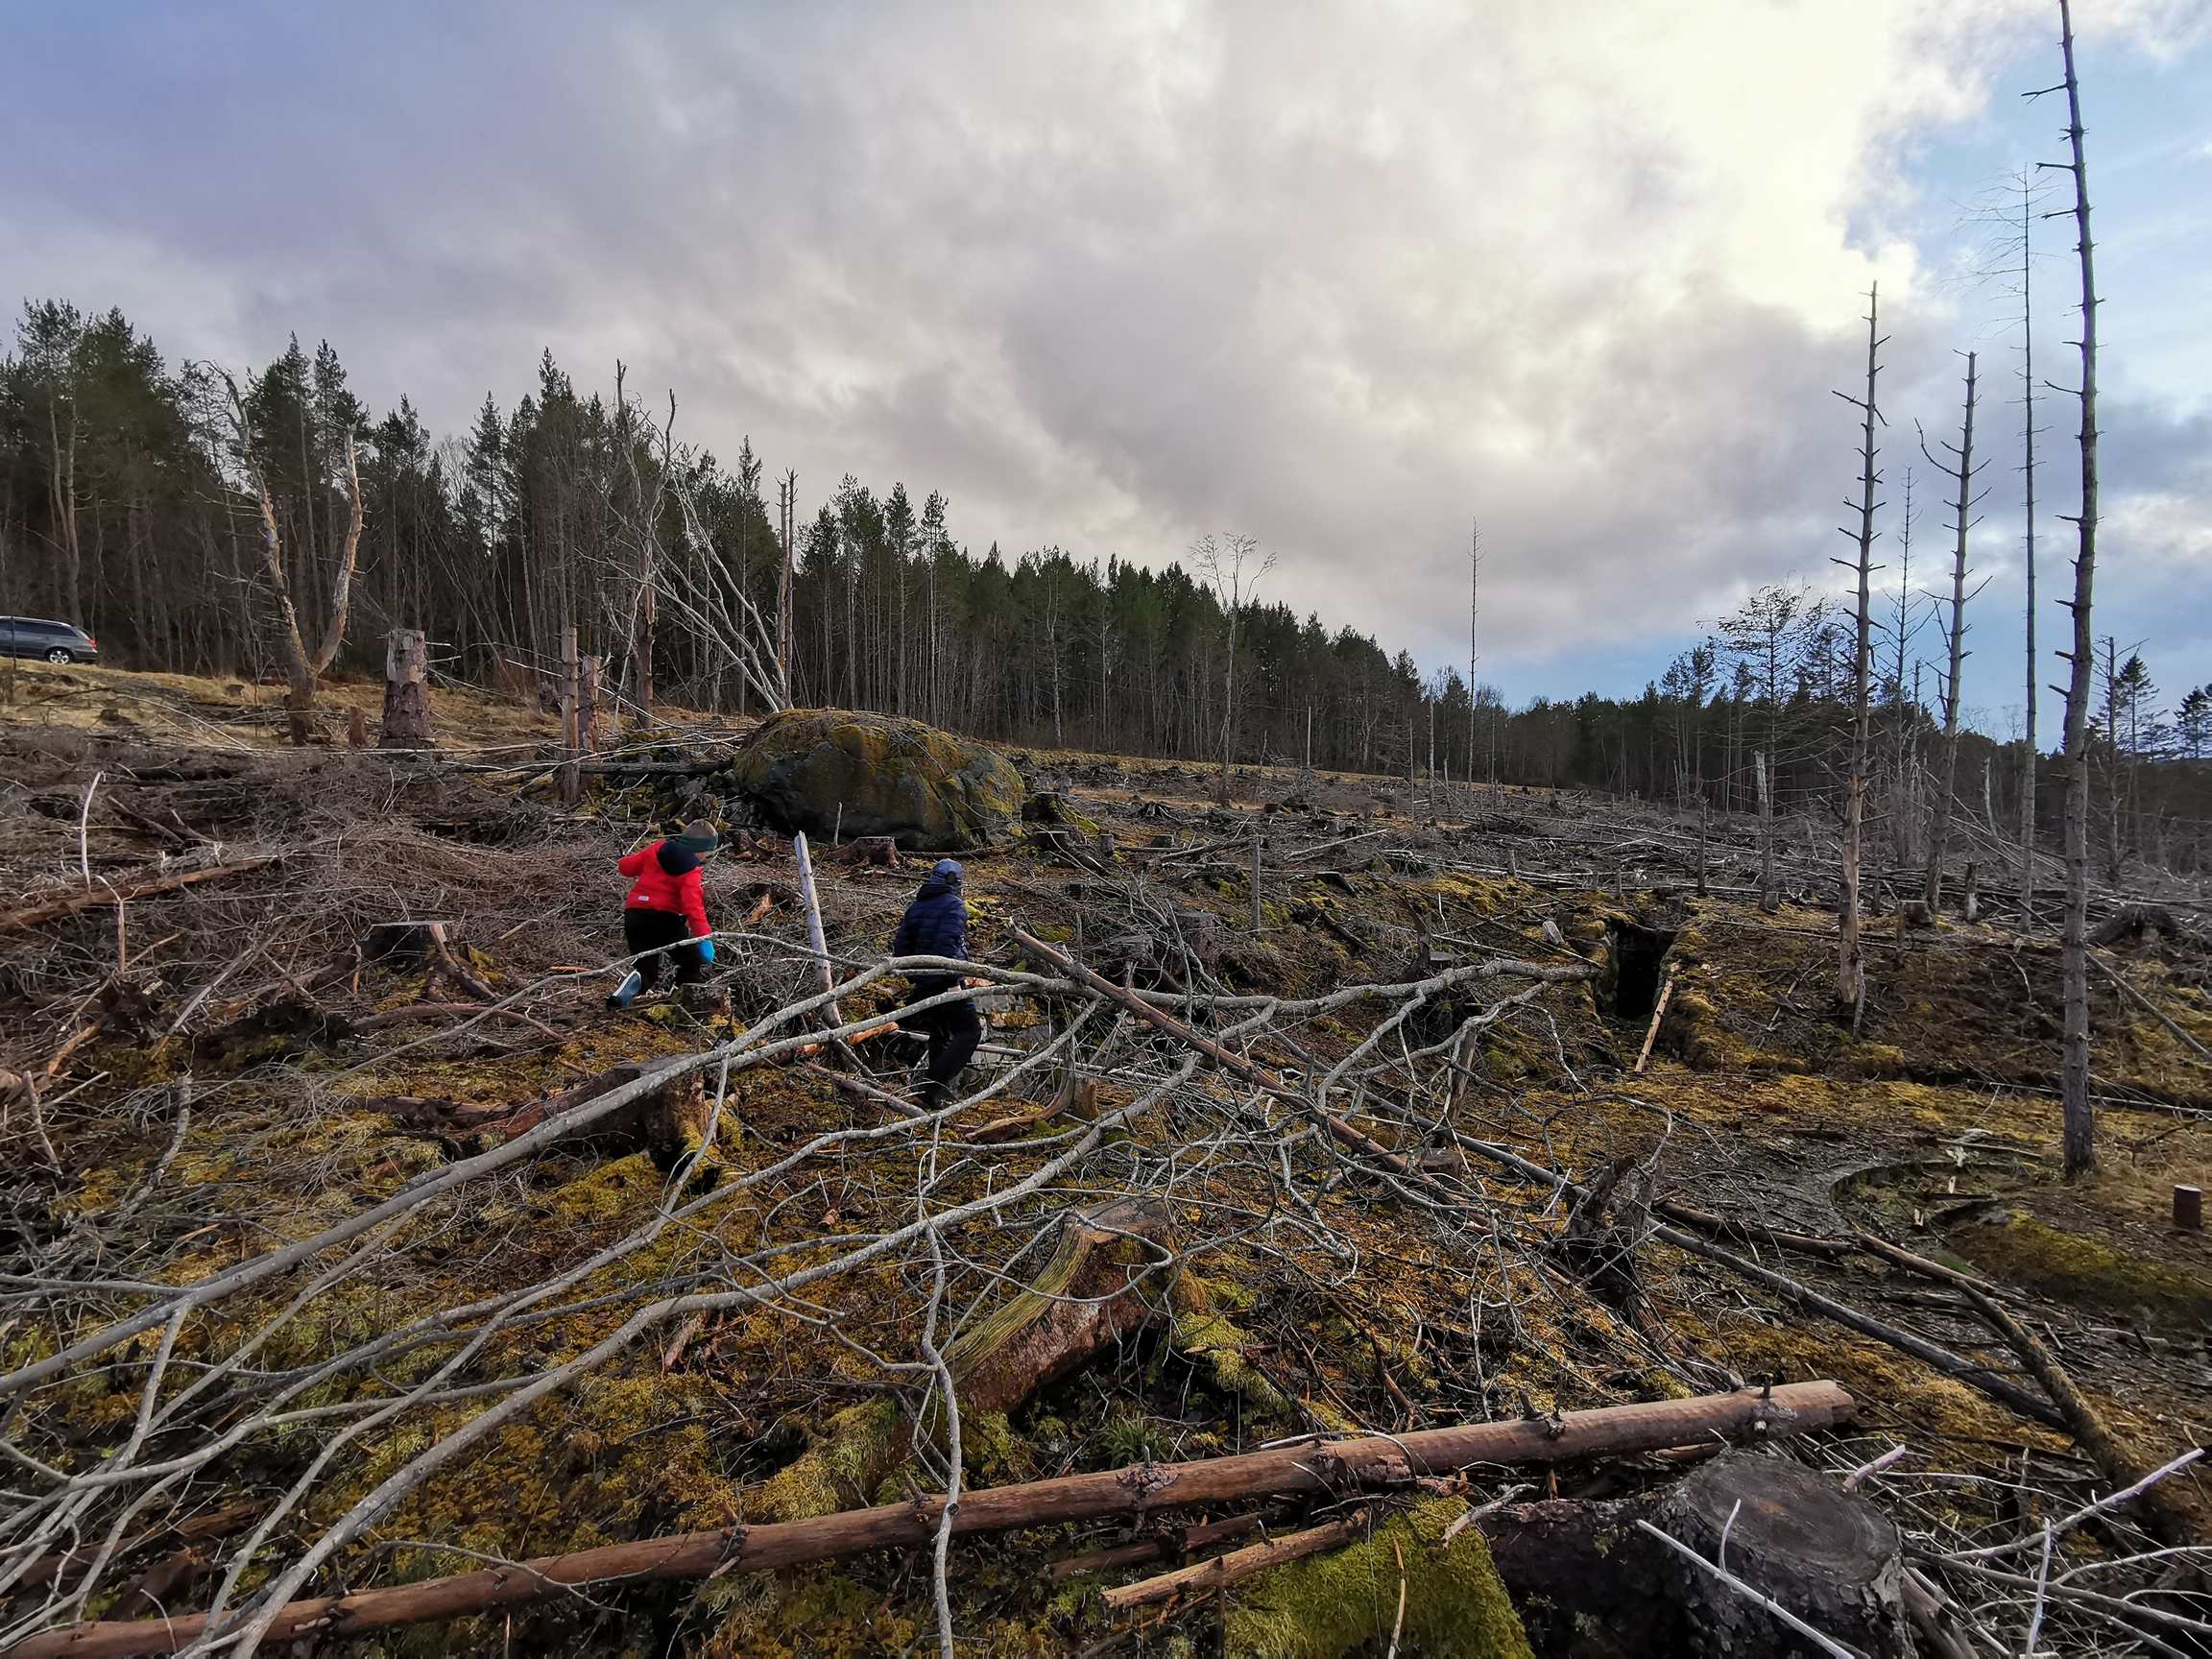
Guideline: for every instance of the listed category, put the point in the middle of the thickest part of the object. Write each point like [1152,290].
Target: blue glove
[706,950]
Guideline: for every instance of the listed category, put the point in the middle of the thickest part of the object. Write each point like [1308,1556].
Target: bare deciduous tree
[1222,564]
[301,666]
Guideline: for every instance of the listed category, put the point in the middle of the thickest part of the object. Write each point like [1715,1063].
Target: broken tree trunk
[406,691]
[1105,1280]
[1378,1462]
[571,784]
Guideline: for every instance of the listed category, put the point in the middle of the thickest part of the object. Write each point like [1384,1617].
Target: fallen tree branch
[1203,1576]
[1376,1463]
[142,886]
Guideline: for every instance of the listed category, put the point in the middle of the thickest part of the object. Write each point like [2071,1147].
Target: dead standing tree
[301,666]
[1850,952]
[1954,633]
[2081,1122]
[1223,568]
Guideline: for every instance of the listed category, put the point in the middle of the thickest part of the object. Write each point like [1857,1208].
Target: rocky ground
[424,1340]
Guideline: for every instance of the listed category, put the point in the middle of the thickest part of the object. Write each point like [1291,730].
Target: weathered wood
[1374,1463]
[406,691]
[1105,1280]
[1658,1014]
[143,885]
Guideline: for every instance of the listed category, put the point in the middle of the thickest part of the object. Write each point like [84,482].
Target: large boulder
[843,771]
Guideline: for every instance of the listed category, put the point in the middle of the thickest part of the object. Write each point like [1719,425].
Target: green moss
[1205,1333]
[2083,1270]
[992,1453]
[842,1469]
[1332,1605]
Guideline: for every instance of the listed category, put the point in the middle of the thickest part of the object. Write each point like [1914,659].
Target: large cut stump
[1102,1283]
[1591,1582]
[1829,1557]
[848,773]
[670,1122]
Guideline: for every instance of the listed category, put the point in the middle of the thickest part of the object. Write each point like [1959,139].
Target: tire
[59,655]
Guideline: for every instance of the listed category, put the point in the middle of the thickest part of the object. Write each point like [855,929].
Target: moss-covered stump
[670,1122]
[1331,1605]
[1100,1285]
[838,771]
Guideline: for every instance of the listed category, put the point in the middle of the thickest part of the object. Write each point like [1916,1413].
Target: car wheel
[59,653]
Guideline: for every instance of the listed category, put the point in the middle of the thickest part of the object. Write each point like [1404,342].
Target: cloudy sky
[1113,275]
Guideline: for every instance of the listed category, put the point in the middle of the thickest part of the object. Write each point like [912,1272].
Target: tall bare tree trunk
[2030,757]
[1939,845]
[2080,1122]
[1850,952]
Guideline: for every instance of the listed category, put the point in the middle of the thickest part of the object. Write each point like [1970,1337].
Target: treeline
[129,504]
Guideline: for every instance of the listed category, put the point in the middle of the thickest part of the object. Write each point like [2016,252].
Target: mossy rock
[1331,1605]
[849,773]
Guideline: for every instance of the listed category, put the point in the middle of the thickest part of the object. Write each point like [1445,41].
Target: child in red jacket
[666,912]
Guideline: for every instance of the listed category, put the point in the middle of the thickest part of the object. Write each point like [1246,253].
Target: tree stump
[1100,1285]
[670,1122]
[406,691]
[1827,1555]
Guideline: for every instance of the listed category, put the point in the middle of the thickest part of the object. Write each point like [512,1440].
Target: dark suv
[54,642]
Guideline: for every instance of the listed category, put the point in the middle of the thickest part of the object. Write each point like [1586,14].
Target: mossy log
[1102,1283]
[1332,1469]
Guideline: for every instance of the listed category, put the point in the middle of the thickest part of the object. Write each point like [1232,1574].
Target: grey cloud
[1105,282]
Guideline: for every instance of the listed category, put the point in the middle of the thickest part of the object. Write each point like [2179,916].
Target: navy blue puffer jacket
[936,923]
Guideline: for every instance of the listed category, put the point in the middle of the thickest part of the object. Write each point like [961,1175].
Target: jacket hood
[675,859]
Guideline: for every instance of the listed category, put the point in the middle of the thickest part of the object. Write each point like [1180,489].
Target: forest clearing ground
[1933,1123]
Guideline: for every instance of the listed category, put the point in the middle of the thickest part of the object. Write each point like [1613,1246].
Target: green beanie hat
[699,838]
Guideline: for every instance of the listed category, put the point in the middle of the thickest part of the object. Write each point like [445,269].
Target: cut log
[1590,1578]
[1796,1538]
[668,1122]
[1105,1280]
[1374,1463]
[874,852]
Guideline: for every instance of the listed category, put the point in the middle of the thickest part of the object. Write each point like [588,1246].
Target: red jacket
[667,878]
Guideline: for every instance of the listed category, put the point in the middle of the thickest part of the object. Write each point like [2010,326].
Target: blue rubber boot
[631,982]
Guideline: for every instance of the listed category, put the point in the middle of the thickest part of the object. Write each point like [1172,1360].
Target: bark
[122,889]
[1372,1464]
[1207,1578]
